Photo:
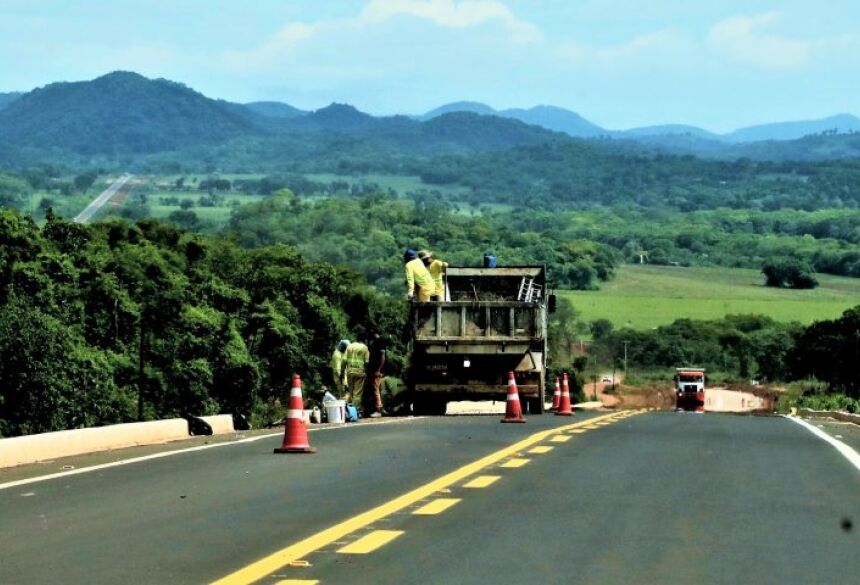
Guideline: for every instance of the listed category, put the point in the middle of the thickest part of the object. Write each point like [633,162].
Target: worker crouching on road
[354,364]
[436,268]
[419,283]
[338,373]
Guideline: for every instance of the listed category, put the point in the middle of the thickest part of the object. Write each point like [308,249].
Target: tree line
[369,234]
[113,322]
[744,347]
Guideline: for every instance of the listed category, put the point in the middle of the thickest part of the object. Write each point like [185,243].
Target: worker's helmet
[343,344]
[409,254]
[425,254]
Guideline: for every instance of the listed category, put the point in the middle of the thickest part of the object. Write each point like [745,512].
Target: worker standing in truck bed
[436,268]
[419,283]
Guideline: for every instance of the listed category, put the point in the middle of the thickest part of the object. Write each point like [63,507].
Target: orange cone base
[295,450]
[513,420]
[559,413]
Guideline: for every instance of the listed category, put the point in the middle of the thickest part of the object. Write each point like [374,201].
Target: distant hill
[680,138]
[8,98]
[120,112]
[549,117]
[557,119]
[275,110]
[816,147]
[464,106]
[841,124]
[125,113]
[668,130]
[455,132]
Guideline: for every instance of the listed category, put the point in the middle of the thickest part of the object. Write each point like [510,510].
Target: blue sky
[719,64]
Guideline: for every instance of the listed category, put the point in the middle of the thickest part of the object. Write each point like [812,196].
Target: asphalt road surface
[642,497]
[105,196]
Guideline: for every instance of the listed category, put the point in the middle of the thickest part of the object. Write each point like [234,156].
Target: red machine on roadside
[690,389]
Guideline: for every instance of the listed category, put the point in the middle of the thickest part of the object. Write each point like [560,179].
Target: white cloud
[662,48]
[451,14]
[445,14]
[743,39]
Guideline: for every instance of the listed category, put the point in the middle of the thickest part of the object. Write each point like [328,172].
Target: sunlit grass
[644,297]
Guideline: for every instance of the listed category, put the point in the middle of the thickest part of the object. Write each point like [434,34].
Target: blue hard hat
[410,254]
[342,345]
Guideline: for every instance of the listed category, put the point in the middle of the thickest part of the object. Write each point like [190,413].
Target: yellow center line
[370,542]
[560,439]
[541,449]
[436,506]
[298,582]
[579,431]
[274,561]
[514,463]
[483,481]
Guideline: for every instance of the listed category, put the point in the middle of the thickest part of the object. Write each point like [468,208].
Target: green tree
[13,191]
[789,273]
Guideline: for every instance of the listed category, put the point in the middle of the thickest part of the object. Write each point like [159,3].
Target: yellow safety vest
[418,275]
[436,270]
[357,355]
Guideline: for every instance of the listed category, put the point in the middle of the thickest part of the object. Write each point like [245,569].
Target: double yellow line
[275,561]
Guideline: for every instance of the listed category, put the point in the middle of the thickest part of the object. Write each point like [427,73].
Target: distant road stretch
[105,196]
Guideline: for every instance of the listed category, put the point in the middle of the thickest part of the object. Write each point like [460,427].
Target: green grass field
[644,297]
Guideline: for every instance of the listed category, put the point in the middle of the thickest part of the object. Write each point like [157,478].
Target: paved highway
[105,196]
[645,497]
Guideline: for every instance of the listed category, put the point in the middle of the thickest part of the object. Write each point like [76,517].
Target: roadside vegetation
[815,362]
[114,322]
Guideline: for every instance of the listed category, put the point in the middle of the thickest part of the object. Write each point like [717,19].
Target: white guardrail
[46,446]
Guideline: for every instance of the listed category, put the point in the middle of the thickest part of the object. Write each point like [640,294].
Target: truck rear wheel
[535,405]
[426,406]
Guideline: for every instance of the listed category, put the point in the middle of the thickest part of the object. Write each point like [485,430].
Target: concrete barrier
[837,414]
[221,423]
[723,400]
[45,446]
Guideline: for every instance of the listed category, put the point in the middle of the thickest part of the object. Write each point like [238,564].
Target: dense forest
[111,322]
[580,248]
[370,233]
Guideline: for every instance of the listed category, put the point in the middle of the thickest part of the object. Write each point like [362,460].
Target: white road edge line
[40,478]
[850,454]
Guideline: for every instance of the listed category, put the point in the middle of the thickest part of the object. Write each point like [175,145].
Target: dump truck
[491,321]
[690,389]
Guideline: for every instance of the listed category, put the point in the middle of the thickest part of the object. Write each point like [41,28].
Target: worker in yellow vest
[419,283]
[354,363]
[436,268]
[338,373]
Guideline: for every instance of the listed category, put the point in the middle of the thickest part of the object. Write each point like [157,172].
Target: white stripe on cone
[294,414]
[295,392]
[513,396]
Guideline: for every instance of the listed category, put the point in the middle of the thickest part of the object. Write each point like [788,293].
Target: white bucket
[335,410]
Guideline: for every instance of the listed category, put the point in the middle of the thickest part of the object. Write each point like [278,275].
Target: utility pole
[625,358]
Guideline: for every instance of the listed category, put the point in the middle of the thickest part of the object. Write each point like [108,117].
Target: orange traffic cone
[295,432]
[513,410]
[556,396]
[564,404]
